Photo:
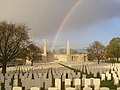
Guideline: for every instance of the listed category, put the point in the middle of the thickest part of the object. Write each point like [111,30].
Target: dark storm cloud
[44,16]
[91,12]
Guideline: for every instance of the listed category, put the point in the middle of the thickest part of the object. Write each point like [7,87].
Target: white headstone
[116,81]
[8,88]
[53,88]
[108,76]
[67,83]
[118,88]
[48,83]
[84,76]
[7,83]
[104,88]
[102,77]
[92,81]
[17,88]
[87,83]
[34,88]
[88,88]
[114,75]
[107,72]
[70,88]
[27,83]
[15,82]
[96,83]
[77,83]
[58,83]
[83,81]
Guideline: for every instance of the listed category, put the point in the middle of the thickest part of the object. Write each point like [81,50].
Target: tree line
[97,51]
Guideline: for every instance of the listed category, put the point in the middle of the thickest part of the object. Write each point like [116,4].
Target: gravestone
[34,88]
[53,88]
[67,83]
[15,82]
[7,83]
[108,76]
[58,83]
[87,83]
[27,83]
[17,88]
[96,83]
[118,88]
[77,84]
[8,88]
[104,88]
[70,88]
[83,81]
[48,83]
[116,81]
[102,77]
[84,76]
[88,88]
[91,81]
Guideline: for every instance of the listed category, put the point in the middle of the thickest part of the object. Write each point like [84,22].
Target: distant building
[63,57]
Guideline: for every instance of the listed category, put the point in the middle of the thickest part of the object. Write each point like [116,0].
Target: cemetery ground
[62,76]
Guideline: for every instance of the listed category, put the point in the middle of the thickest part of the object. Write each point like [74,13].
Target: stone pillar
[45,47]
[68,48]
[44,58]
[68,51]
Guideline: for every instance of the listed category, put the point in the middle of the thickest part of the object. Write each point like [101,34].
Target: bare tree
[13,41]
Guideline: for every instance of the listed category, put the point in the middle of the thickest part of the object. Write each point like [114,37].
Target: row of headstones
[33,81]
[30,68]
[99,67]
[40,81]
[29,80]
[26,80]
[77,82]
[71,88]
[56,74]
[85,83]
[27,68]
[38,69]
[113,75]
[67,88]
[7,80]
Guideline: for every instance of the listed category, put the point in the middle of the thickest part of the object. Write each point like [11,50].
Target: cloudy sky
[90,21]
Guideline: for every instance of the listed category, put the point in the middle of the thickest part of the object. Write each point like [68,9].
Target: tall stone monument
[68,51]
[68,47]
[45,49]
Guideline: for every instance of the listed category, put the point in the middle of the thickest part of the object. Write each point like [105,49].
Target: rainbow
[66,17]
